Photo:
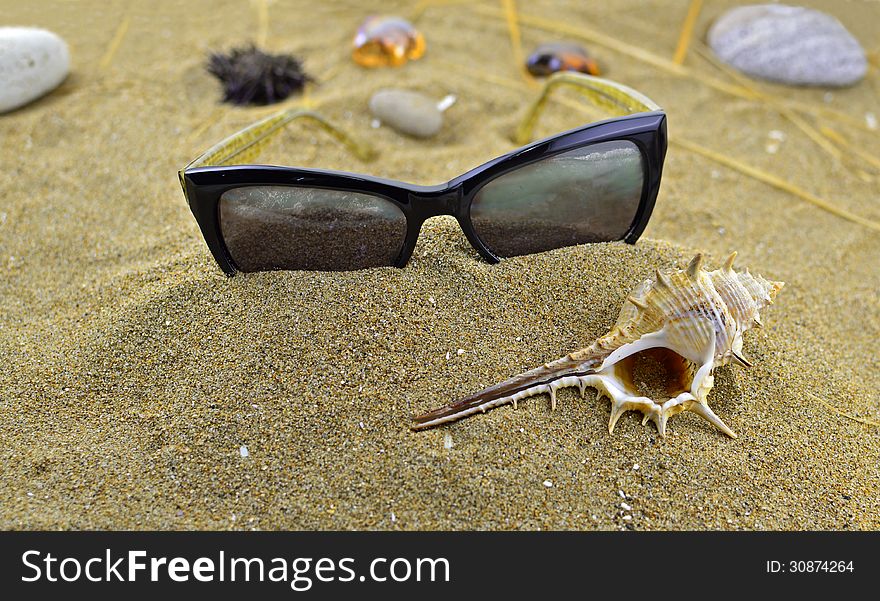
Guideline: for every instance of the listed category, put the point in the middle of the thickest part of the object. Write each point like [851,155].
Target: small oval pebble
[788,44]
[408,112]
[32,62]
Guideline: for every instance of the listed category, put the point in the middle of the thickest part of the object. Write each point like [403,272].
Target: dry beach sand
[133,371]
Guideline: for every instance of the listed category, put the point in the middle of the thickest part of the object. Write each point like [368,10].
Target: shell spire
[690,321]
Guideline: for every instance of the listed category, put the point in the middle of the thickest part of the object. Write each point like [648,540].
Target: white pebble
[447,441]
[622,496]
[460,351]
[627,517]
[448,355]
[33,62]
[636,467]
[871,120]
[393,517]
[446,102]
[775,134]
[548,484]
[243,451]
[626,506]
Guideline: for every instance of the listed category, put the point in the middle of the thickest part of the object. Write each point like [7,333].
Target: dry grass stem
[687,31]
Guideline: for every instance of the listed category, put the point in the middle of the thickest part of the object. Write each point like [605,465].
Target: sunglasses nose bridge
[434,202]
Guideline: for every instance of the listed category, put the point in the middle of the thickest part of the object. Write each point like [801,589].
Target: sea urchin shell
[250,76]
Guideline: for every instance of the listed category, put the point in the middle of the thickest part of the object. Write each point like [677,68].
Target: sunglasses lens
[589,194]
[286,227]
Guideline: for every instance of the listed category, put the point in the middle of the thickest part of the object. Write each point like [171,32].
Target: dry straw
[115,43]
[512,17]
[262,8]
[687,32]
[820,139]
[831,407]
[776,182]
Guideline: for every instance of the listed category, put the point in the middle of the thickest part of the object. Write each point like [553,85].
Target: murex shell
[691,321]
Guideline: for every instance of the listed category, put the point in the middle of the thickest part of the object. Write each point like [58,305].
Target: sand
[133,371]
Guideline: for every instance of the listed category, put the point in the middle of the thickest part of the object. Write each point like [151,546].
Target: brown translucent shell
[386,41]
[560,56]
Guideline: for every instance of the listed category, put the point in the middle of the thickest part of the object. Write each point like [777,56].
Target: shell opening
[656,373]
[660,383]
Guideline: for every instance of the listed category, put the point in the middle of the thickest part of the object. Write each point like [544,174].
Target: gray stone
[788,44]
[408,112]
[32,62]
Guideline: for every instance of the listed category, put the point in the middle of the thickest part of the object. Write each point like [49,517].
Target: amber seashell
[383,41]
[560,56]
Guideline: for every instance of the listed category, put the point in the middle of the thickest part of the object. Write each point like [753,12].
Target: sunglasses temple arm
[244,146]
[602,93]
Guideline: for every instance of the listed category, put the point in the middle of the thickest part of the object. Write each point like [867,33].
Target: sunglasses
[595,183]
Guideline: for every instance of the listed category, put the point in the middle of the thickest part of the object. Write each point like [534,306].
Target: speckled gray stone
[788,44]
[408,112]
[32,62]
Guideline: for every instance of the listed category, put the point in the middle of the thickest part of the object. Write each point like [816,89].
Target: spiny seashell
[788,44]
[690,321]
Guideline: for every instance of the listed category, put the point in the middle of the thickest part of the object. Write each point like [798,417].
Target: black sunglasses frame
[205,185]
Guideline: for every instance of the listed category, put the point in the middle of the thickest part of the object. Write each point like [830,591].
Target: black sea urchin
[250,76]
